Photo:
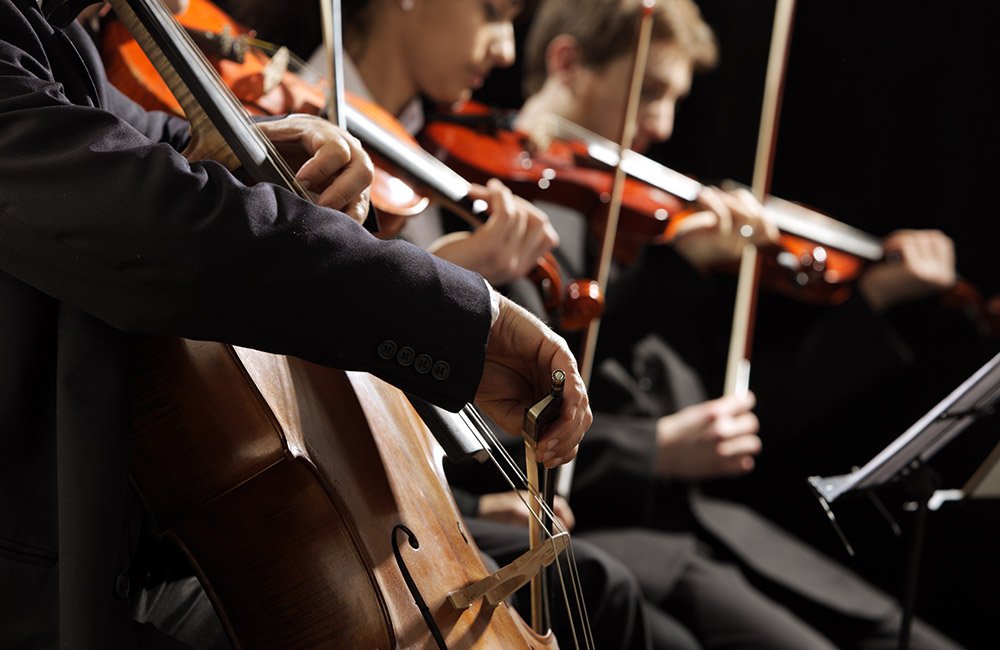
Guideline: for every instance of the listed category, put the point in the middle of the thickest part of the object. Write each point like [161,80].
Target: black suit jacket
[642,378]
[106,232]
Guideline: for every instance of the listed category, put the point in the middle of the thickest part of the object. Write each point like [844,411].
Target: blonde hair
[606,30]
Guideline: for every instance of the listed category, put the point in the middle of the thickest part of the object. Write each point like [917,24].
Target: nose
[657,121]
[502,45]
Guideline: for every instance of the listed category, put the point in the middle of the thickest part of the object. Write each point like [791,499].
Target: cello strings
[485,432]
[490,441]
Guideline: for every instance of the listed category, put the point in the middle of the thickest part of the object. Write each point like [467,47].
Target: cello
[310,503]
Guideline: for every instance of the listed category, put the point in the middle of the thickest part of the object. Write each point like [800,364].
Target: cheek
[605,113]
[442,76]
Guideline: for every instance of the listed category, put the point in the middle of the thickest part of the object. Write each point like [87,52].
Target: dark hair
[606,30]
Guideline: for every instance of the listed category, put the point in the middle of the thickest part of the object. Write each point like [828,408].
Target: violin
[817,259]
[310,501]
[266,86]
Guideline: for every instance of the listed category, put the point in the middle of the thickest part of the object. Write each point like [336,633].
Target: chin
[451,97]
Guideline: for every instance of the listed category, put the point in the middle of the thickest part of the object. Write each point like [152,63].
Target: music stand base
[918,487]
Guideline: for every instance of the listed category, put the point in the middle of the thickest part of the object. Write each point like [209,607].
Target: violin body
[284,482]
[561,173]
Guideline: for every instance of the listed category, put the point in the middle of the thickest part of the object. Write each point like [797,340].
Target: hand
[508,508]
[509,244]
[521,355]
[714,235]
[330,162]
[919,263]
[708,440]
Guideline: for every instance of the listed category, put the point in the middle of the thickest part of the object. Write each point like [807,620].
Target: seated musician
[663,435]
[107,232]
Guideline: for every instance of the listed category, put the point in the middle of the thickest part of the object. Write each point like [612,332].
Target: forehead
[669,66]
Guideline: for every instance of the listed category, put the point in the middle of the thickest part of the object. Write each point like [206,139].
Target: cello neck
[221,128]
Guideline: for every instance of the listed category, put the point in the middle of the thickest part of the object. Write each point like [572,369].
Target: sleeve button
[440,371]
[387,349]
[405,356]
[422,364]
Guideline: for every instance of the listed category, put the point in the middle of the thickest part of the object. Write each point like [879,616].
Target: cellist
[107,233]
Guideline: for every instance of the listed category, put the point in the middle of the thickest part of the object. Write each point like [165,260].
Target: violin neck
[789,217]
[420,166]
[800,221]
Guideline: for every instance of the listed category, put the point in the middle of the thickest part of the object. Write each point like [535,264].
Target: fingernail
[305,184]
[555,462]
[547,456]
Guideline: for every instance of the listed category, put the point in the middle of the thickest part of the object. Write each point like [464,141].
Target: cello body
[284,482]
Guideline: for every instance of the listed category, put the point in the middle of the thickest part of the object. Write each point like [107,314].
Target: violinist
[722,567]
[107,234]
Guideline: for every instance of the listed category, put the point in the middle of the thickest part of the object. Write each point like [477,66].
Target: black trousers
[722,605]
[613,599]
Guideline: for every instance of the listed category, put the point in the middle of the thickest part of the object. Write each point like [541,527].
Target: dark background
[889,121]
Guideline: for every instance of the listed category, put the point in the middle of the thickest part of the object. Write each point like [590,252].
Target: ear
[563,59]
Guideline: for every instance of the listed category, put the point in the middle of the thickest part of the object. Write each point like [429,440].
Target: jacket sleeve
[95,214]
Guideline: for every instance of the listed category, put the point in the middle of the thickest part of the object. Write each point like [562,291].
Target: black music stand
[903,461]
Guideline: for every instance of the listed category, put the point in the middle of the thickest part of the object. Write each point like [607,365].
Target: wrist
[664,463]
[494,303]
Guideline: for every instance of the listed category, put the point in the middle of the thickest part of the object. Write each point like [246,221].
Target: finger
[539,230]
[536,244]
[765,230]
[500,225]
[347,187]
[559,442]
[502,201]
[740,425]
[746,445]
[735,466]
[359,210]
[327,160]
[732,405]
[564,513]
[710,198]
[897,240]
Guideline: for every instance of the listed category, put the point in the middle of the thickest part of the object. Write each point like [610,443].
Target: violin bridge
[500,584]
